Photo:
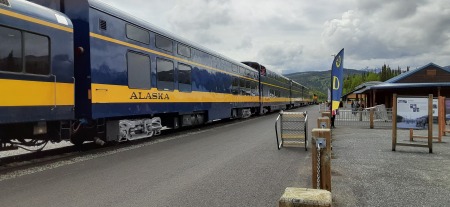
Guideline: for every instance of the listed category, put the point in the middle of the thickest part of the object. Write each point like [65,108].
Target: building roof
[363,87]
[410,85]
[411,72]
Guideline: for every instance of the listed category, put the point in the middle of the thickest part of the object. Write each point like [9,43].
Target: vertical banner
[337,81]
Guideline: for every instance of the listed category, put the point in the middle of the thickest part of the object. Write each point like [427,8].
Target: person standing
[333,117]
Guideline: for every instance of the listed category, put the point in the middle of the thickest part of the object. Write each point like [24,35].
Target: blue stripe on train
[215,110]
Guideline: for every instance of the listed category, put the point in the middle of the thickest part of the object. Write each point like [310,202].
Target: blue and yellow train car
[36,72]
[275,89]
[83,70]
[297,97]
[133,78]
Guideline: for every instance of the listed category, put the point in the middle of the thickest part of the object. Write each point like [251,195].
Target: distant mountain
[318,81]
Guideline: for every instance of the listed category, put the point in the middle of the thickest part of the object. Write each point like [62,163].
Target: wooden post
[430,123]
[371,117]
[323,121]
[325,159]
[394,121]
[326,113]
[411,135]
[441,117]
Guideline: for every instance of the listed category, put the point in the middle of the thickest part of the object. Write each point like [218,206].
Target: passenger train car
[83,70]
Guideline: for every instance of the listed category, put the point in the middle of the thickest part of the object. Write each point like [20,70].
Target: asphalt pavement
[238,164]
[233,164]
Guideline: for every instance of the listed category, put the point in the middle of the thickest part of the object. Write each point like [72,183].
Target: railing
[380,117]
[352,118]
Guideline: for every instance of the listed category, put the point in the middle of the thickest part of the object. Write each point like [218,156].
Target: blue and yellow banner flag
[337,79]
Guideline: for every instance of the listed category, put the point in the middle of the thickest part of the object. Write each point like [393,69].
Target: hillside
[318,81]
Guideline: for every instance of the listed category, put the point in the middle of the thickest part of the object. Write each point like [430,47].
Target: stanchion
[321,159]
[323,122]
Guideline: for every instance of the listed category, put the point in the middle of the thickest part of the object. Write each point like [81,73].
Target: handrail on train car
[276,131]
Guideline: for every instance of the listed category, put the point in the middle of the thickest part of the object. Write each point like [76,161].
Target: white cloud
[292,36]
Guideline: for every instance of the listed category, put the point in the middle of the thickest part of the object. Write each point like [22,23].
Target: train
[86,71]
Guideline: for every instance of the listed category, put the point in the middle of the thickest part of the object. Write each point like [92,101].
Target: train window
[234,68]
[138,34]
[184,50]
[37,54]
[253,89]
[164,43]
[248,88]
[241,70]
[242,86]
[235,86]
[184,77]
[10,50]
[138,71]
[164,69]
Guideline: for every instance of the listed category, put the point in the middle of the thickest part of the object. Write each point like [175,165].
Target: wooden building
[429,79]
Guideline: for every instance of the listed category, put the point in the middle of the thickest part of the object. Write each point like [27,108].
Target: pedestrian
[333,116]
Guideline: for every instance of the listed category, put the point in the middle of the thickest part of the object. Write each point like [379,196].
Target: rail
[276,131]
[380,117]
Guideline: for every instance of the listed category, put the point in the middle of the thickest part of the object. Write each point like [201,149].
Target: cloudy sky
[300,35]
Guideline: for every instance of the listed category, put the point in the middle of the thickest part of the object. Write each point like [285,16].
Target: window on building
[165,72]
[184,78]
[138,71]
[431,72]
[164,43]
[138,34]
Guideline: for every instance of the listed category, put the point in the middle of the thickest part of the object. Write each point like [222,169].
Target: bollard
[323,122]
[326,114]
[324,171]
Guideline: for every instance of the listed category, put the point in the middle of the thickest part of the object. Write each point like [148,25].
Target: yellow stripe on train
[105,93]
[34,20]
[35,93]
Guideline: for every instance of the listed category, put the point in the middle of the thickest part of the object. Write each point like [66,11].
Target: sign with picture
[412,113]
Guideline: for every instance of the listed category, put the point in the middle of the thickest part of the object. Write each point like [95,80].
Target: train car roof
[251,62]
[37,11]
[299,84]
[104,7]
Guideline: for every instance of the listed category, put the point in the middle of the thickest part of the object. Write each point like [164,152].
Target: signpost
[416,106]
